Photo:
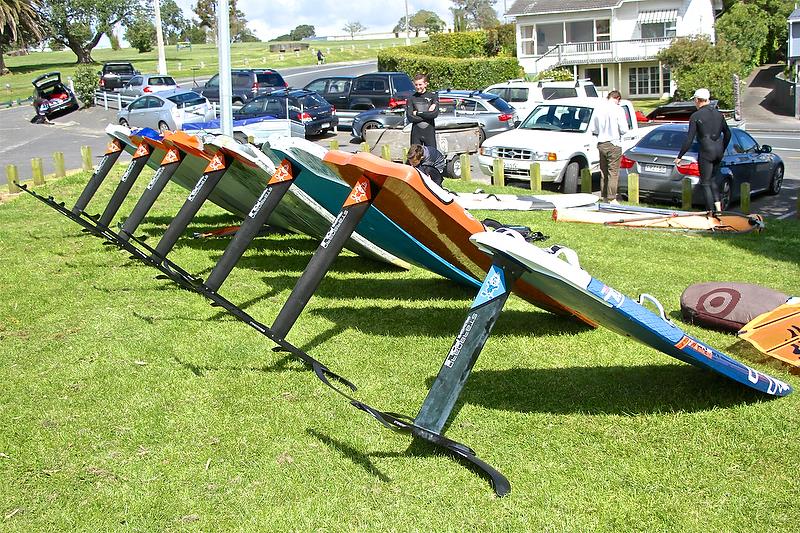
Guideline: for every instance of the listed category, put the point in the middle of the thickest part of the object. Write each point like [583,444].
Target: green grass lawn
[182,64]
[128,404]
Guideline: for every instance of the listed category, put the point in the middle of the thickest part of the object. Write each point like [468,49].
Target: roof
[537,7]
[795,15]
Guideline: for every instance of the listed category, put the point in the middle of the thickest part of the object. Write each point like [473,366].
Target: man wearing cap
[713,136]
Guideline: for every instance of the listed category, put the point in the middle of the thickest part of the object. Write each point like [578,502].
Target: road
[21,141]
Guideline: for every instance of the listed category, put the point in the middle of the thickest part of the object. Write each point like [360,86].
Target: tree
[400,27]
[354,27]
[173,21]
[301,32]
[206,11]
[80,24]
[428,21]
[194,33]
[19,22]
[141,33]
[476,14]
[746,27]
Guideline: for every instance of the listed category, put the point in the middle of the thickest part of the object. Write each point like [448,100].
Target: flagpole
[225,86]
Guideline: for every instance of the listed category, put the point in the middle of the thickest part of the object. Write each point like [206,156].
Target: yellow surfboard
[777,333]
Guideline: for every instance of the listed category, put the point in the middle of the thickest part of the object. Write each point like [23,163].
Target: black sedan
[307,107]
[745,161]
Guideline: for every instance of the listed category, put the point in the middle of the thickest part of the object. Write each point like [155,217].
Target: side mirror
[766,149]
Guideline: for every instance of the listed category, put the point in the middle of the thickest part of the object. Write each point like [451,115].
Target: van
[524,95]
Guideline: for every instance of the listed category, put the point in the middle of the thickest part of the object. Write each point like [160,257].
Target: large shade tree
[80,24]
[19,22]
[475,14]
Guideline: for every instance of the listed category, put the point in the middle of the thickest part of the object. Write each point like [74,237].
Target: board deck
[431,215]
[511,202]
[685,221]
[567,283]
[777,332]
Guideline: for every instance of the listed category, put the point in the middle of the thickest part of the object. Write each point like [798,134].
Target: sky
[270,19]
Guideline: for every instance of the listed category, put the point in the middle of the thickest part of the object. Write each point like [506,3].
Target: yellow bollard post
[36,171]
[586,180]
[386,152]
[364,147]
[536,177]
[466,168]
[686,194]
[334,144]
[86,157]
[498,172]
[633,188]
[11,177]
[744,198]
[405,154]
[58,161]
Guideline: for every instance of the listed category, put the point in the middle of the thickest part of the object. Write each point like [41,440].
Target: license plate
[656,169]
[325,125]
[512,165]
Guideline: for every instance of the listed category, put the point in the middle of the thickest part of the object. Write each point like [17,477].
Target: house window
[645,81]
[580,31]
[548,35]
[598,76]
[602,30]
[527,40]
[656,30]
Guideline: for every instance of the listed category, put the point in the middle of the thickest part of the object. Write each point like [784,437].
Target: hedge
[449,72]
[465,44]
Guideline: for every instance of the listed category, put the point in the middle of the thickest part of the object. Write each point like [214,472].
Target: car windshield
[510,94]
[312,100]
[269,79]
[552,93]
[558,118]
[161,80]
[501,105]
[187,99]
[666,139]
[119,69]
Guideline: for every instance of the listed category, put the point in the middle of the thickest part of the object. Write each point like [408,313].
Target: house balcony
[595,52]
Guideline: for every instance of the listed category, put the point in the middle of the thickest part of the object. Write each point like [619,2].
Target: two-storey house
[612,42]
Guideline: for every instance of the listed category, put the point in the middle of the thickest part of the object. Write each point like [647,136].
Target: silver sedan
[167,110]
[148,83]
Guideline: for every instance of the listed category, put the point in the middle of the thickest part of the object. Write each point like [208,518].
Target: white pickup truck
[557,136]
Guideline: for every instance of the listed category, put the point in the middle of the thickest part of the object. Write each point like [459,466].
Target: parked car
[307,107]
[166,110]
[148,83]
[60,99]
[524,95]
[745,161]
[115,74]
[351,95]
[246,84]
[492,113]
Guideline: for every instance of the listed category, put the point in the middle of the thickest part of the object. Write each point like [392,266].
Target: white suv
[524,95]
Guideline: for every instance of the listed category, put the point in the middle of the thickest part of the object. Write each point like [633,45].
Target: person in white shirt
[609,125]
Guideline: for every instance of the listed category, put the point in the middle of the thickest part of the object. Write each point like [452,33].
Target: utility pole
[225,86]
[162,59]
[408,36]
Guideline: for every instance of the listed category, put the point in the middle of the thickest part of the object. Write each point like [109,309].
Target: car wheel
[237,101]
[481,137]
[453,168]
[777,180]
[240,137]
[123,122]
[162,126]
[371,125]
[725,194]
[570,184]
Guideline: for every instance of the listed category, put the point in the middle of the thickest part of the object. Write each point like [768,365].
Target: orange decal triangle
[360,193]
[282,173]
[142,151]
[217,163]
[172,156]
[113,146]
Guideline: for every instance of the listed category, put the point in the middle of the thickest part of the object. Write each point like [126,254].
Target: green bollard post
[334,144]
[36,171]
[58,161]
[386,152]
[586,180]
[633,188]
[405,154]
[86,157]
[498,172]
[536,177]
[686,194]
[11,177]
[744,198]
[466,168]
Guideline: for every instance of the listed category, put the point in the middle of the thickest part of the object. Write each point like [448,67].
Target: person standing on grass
[713,136]
[609,125]
[422,108]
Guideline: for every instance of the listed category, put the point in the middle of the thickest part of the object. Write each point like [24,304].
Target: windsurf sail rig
[777,332]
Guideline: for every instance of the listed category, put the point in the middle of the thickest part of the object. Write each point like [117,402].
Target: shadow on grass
[358,458]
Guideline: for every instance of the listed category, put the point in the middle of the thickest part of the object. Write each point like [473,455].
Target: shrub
[86,80]
[557,74]
[463,44]
[716,76]
[141,34]
[746,27]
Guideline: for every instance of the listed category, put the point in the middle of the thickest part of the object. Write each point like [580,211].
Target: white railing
[109,100]
[601,52]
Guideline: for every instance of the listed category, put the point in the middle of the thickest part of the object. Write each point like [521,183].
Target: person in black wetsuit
[713,136]
[421,109]
[429,160]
